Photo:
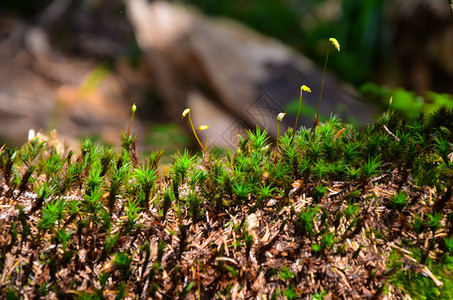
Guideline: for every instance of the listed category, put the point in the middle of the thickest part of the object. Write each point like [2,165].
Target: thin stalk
[276,144]
[134,108]
[316,123]
[201,128]
[335,43]
[195,133]
[302,89]
[298,112]
[187,112]
[279,119]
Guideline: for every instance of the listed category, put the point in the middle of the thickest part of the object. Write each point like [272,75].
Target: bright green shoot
[303,88]
[187,112]
[335,43]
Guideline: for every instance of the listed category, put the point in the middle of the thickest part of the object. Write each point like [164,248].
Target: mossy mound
[332,212]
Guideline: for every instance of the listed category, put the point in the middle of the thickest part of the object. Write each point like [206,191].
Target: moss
[362,199]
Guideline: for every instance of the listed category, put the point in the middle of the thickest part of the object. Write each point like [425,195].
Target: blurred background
[78,65]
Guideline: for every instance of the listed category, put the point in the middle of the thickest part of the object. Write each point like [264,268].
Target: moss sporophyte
[133,109]
[203,128]
[336,44]
[279,119]
[303,88]
[185,113]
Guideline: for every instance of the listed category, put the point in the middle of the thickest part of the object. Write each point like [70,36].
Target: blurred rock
[232,77]
[43,89]
[246,78]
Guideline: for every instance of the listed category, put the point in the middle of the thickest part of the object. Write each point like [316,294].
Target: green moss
[328,188]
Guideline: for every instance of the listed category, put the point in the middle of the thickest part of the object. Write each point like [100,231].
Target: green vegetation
[406,102]
[329,212]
